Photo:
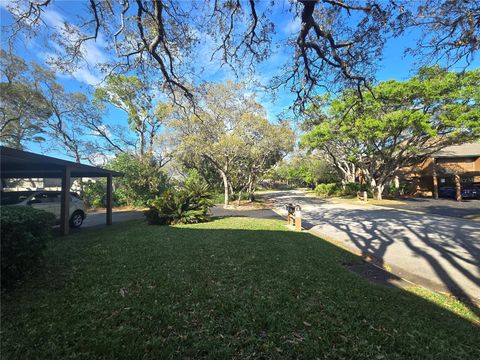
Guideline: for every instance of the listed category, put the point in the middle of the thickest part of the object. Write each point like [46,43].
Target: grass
[232,288]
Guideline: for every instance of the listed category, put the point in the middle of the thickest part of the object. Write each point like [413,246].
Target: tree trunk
[239,197]
[378,191]
[225,187]
[396,183]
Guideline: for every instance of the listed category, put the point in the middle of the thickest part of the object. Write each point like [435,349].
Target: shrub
[25,232]
[95,194]
[143,179]
[190,204]
[324,190]
[351,189]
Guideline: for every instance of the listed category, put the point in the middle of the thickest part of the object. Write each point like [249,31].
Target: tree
[35,107]
[405,123]
[143,178]
[23,108]
[451,31]
[338,43]
[23,113]
[231,133]
[303,170]
[135,97]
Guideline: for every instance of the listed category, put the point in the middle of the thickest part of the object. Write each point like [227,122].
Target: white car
[50,201]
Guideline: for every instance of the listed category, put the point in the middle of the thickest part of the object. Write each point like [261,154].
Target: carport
[18,164]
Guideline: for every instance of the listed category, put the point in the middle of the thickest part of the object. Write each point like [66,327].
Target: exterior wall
[457,165]
[42,184]
[420,177]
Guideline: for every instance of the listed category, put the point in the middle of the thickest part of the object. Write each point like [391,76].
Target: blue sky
[393,65]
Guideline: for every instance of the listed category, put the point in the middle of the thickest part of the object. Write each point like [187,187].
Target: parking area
[98,218]
[445,207]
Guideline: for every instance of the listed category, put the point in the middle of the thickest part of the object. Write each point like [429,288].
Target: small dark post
[435,180]
[65,202]
[458,195]
[109,199]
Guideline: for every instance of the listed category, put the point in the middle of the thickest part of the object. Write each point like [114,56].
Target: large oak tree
[405,123]
[338,44]
[231,132]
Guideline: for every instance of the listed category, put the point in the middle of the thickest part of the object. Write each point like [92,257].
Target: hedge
[24,233]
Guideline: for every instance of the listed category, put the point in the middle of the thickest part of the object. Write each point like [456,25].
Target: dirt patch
[246,205]
[115,209]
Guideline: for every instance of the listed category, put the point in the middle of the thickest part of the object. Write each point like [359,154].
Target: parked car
[467,191]
[48,201]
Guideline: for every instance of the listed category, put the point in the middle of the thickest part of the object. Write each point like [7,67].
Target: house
[455,165]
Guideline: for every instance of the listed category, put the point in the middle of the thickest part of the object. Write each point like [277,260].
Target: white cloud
[86,76]
[54,19]
[100,159]
[92,50]
[293,26]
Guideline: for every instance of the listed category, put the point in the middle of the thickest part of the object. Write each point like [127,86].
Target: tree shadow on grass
[215,290]
[453,243]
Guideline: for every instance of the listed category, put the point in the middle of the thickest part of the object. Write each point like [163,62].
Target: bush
[324,190]
[25,232]
[95,194]
[334,189]
[190,204]
[351,189]
[143,179]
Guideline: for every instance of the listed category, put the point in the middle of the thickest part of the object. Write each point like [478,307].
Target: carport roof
[23,164]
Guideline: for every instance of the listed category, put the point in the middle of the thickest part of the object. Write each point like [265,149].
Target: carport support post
[65,202]
[458,193]
[109,199]
[435,180]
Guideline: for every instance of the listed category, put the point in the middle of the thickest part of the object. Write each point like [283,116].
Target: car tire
[76,220]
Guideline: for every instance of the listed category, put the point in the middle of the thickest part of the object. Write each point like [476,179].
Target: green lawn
[232,288]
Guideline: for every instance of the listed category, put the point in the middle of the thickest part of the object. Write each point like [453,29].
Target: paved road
[442,253]
[99,218]
[218,210]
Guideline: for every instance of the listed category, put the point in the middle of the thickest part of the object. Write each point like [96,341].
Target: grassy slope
[218,290]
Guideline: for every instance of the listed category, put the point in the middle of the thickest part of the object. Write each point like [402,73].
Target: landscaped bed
[232,288]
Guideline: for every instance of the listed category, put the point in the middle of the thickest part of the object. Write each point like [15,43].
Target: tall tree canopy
[402,125]
[231,132]
[136,98]
[338,43]
[35,107]
[23,108]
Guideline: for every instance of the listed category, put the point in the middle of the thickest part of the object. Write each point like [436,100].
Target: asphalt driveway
[444,207]
[99,218]
[441,253]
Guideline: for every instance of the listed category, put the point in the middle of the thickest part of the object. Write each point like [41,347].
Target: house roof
[458,151]
[23,164]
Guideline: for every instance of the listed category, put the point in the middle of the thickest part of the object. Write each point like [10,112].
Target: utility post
[65,202]
[298,218]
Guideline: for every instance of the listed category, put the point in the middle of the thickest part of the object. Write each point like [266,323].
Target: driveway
[99,218]
[441,253]
[446,207]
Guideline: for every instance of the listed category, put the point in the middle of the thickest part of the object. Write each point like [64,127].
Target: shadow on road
[372,231]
